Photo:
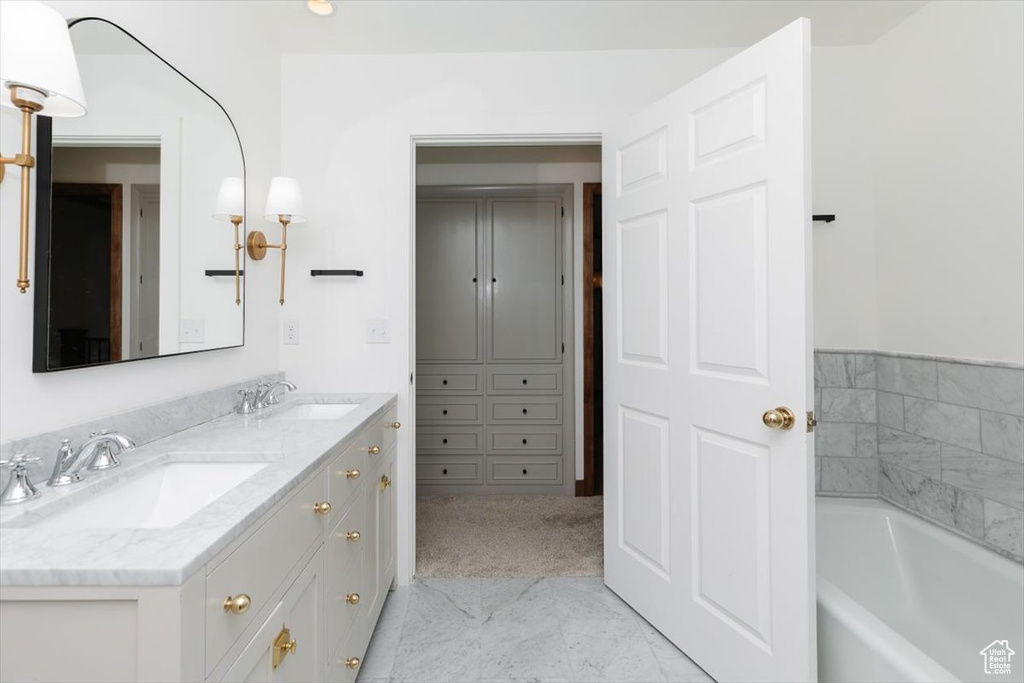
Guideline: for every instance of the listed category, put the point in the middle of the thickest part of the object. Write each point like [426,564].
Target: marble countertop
[169,556]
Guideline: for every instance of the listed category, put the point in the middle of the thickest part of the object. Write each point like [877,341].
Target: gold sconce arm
[237,221]
[26,161]
[256,246]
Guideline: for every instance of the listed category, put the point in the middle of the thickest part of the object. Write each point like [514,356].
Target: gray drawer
[436,410]
[524,379]
[460,380]
[531,439]
[450,470]
[442,440]
[524,409]
[524,470]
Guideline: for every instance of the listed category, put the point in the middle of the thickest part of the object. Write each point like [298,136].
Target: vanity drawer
[524,379]
[524,409]
[389,433]
[345,555]
[340,613]
[450,470]
[442,440]
[257,566]
[342,486]
[532,440]
[449,379]
[531,469]
[432,410]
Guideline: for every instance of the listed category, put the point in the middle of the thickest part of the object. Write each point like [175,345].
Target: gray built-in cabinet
[491,301]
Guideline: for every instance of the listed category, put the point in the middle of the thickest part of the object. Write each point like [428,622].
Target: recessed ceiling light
[321,7]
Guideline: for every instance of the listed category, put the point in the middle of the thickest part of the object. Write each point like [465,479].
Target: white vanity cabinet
[295,598]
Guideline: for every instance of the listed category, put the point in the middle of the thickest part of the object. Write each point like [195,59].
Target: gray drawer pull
[524,380]
[444,382]
[524,411]
[444,412]
[524,443]
[444,471]
[444,440]
[524,471]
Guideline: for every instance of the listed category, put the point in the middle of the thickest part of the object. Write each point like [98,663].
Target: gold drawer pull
[239,604]
[352,474]
[284,645]
[385,481]
[353,536]
[393,425]
[322,508]
[353,663]
[352,598]
[374,450]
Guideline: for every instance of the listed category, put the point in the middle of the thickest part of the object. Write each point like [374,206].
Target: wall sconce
[38,72]
[284,206]
[231,207]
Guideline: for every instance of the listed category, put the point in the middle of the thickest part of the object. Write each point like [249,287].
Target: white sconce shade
[36,52]
[284,199]
[230,199]
[321,7]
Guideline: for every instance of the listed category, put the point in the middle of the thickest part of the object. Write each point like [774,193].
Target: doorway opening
[500,428]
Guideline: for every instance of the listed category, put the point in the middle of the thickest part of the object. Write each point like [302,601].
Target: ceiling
[411,26]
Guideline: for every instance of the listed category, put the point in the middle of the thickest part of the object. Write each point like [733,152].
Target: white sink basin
[163,497]
[318,411]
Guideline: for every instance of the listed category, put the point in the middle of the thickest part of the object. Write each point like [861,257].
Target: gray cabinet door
[449,298]
[524,280]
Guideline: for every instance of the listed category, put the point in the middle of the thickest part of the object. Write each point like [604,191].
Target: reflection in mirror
[128,233]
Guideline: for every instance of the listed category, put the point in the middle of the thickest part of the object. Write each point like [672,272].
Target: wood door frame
[587,485]
[116,193]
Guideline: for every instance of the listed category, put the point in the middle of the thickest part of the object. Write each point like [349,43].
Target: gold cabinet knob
[352,598]
[238,604]
[322,508]
[352,474]
[353,663]
[284,645]
[374,450]
[385,481]
[393,425]
[779,418]
[353,536]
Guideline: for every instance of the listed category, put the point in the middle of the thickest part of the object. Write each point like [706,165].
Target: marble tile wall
[951,445]
[142,424]
[846,438]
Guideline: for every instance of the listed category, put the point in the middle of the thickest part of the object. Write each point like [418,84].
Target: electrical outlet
[378,332]
[291,331]
[193,331]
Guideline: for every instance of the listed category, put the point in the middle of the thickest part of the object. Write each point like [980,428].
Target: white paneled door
[709,521]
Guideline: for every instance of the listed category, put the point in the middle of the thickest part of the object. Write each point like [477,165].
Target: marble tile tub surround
[145,424]
[295,449]
[947,444]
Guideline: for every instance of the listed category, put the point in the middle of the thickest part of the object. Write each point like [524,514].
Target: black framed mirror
[130,262]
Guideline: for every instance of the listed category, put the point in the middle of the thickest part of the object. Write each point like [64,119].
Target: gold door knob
[352,598]
[779,418]
[353,536]
[374,450]
[353,663]
[322,508]
[352,474]
[393,425]
[238,604]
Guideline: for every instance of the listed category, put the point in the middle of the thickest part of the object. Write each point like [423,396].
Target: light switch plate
[291,331]
[193,331]
[378,332]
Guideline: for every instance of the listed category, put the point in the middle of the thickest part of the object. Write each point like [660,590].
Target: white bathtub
[900,599]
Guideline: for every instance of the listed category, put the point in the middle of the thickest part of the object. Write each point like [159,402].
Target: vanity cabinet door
[300,612]
[386,527]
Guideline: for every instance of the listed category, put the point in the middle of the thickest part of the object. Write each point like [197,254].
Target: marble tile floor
[539,629]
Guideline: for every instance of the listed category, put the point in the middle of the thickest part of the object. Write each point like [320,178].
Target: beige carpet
[495,536]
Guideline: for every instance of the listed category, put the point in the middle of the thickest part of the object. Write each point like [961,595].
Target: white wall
[239,68]
[949,181]
[566,164]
